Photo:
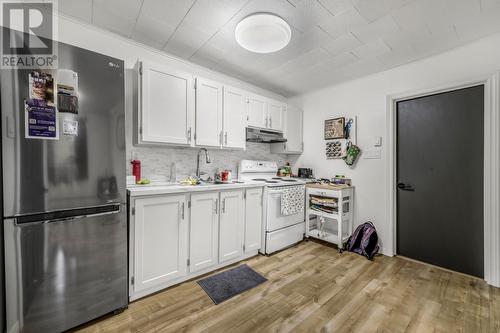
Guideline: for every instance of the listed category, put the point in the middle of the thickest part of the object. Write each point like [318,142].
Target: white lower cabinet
[175,237]
[231,225]
[160,240]
[204,231]
[253,219]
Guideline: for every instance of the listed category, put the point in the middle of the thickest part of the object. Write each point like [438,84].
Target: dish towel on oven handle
[292,200]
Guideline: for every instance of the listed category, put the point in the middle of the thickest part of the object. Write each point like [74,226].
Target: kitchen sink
[219,183]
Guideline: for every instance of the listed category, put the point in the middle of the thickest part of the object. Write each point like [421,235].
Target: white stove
[264,171]
[280,230]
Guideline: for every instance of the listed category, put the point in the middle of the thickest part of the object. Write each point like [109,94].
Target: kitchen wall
[366,98]
[156,161]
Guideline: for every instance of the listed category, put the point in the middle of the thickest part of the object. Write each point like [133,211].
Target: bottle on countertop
[136,170]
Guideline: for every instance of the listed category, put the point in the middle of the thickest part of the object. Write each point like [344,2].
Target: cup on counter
[225,175]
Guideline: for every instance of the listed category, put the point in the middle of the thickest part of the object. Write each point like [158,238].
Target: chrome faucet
[207,160]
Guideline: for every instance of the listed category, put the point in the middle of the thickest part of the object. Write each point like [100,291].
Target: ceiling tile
[170,11]
[305,60]
[336,7]
[343,23]
[462,8]
[152,31]
[204,60]
[210,15]
[411,17]
[344,43]
[186,40]
[307,14]
[371,10]
[478,26]
[394,4]
[371,50]
[377,29]
[202,22]
[116,15]
[81,9]
[489,4]
[128,9]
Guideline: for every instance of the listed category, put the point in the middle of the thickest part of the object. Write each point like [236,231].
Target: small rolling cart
[329,211]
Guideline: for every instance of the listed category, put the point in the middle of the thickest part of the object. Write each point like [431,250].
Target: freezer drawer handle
[68,214]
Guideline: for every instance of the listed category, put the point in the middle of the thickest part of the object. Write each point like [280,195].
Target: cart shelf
[341,219]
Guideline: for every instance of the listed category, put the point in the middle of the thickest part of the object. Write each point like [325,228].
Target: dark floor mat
[225,285]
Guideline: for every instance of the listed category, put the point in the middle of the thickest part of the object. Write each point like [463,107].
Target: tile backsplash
[156,161]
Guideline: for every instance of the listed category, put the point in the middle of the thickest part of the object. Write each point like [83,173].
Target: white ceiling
[332,40]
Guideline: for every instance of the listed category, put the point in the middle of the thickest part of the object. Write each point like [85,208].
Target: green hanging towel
[352,154]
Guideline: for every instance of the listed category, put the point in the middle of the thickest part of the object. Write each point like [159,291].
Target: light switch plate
[377,141]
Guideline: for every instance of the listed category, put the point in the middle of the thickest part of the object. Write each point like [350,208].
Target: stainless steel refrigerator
[64,200]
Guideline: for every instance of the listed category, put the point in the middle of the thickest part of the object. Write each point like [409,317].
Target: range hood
[264,136]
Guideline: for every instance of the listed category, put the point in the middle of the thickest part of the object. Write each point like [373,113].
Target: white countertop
[159,188]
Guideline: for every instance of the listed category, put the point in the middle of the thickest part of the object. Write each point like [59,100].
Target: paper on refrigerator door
[40,121]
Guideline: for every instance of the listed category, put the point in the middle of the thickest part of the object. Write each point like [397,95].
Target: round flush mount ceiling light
[263,33]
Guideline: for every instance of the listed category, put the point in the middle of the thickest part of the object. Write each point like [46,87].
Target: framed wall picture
[334,150]
[334,128]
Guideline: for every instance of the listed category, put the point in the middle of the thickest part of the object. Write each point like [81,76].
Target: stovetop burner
[284,179]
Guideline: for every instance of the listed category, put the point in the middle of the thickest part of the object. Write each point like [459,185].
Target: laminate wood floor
[313,288]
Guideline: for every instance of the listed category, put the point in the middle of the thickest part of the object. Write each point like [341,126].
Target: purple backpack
[364,241]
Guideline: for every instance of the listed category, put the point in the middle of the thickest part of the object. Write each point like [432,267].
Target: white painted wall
[367,99]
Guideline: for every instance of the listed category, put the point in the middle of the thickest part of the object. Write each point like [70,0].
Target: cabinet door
[166,105]
[231,228]
[235,110]
[160,241]
[253,219]
[257,111]
[293,133]
[275,115]
[204,231]
[293,129]
[208,113]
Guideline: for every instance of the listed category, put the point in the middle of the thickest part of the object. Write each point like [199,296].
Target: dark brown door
[440,160]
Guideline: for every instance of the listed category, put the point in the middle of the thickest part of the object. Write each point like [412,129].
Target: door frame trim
[491,180]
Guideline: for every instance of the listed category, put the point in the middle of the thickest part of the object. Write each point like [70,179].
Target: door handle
[225,138]
[405,187]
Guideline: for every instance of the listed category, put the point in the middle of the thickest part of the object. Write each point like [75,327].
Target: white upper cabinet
[275,114]
[293,133]
[235,111]
[231,225]
[208,113]
[265,113]
[160,240]
[253,219]
[166,105]
[204,231]
[257,111]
